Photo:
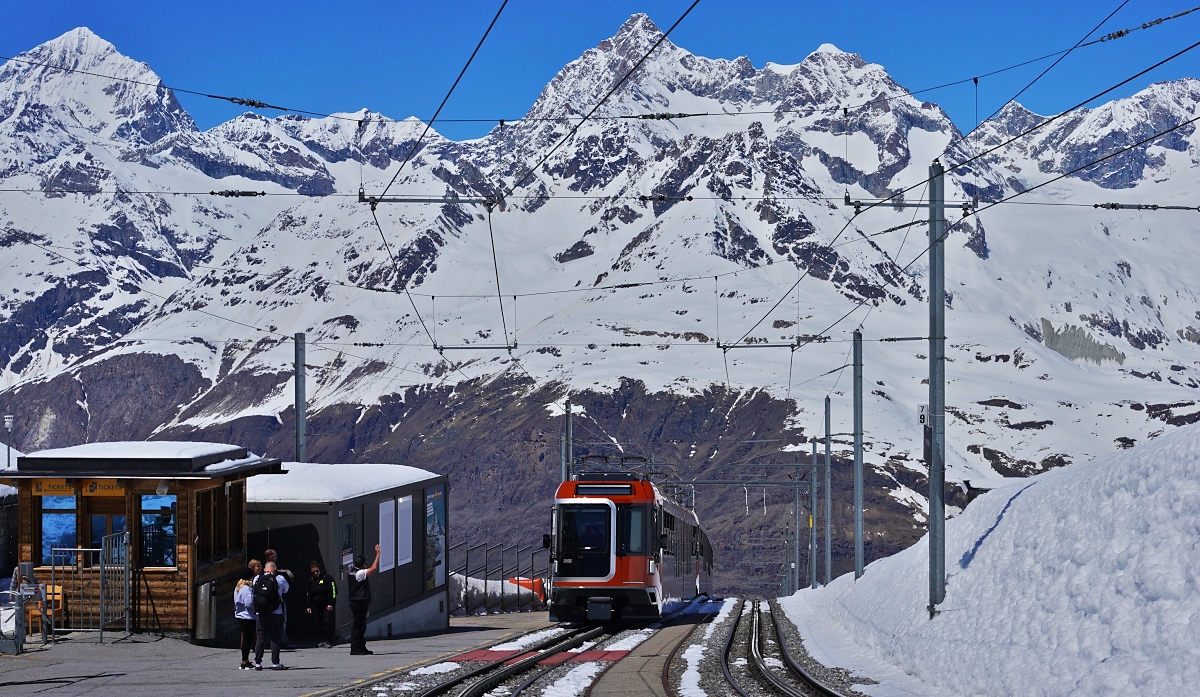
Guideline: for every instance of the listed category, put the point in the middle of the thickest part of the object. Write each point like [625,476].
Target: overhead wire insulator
[233,193]
[660,198]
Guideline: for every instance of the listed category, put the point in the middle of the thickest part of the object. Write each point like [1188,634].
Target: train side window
[631,529]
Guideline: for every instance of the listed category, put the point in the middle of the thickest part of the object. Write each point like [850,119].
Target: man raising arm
[360,599]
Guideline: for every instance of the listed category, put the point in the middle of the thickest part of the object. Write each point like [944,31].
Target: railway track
[751,673]
[487,677]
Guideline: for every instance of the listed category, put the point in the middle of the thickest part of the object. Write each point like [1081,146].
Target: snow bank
[478,594]
[1080,581]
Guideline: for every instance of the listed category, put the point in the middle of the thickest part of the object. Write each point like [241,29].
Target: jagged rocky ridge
[1073,331]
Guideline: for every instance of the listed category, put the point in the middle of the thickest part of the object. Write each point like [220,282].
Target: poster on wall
[435,536]
[387,535]
[404,530]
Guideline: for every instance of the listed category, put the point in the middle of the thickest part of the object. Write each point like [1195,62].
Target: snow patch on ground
[1079,581]
[528,640]
[689,682]
[630,642]
[437,668]
[574,682]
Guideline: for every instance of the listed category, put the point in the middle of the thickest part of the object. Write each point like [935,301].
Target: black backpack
[266,594]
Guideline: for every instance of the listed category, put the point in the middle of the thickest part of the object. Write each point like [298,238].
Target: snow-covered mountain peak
[828,48]
[62,83]
[635,36]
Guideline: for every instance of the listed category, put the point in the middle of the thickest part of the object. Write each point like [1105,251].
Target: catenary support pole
[828,501]
[812,518]
[301,402]
[570,440]
[562,458]
[858,456]
[937,386]
[796,525]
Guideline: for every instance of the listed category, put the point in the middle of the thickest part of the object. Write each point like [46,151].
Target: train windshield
[585,541]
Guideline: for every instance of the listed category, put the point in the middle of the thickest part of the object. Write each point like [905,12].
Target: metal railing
[95,585]
[479,578]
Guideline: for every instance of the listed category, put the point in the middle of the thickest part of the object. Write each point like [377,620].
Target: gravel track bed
[740,665]
[706,654]
[837,678]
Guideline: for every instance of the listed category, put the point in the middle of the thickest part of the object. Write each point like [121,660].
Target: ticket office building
[183,506]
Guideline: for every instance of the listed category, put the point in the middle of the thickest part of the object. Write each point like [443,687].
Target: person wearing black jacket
[322,597]
[360,599]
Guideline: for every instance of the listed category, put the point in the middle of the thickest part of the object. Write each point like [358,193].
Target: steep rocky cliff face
[133,304]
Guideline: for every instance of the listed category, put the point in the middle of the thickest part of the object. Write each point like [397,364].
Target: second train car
[623,551]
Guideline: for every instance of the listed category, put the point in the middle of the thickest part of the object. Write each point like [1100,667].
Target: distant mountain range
[134,304]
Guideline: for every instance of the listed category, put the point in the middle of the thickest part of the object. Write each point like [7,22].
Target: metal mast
[937,386]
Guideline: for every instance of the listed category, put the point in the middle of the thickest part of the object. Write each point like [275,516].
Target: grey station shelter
[331,513]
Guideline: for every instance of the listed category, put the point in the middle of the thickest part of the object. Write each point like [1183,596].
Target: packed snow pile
[1079,581]
[482,596]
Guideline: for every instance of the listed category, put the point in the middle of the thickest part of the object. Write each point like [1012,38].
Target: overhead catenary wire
[258,104]
[1032,82]
[951,225]
[951,168]
[517,183]
[429,124]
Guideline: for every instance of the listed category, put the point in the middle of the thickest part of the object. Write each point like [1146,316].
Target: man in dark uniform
[322,597]
[360,598]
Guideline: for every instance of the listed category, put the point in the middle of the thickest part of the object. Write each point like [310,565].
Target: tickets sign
[52,487]
[103,487]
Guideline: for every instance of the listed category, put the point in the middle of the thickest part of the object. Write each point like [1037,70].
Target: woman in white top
[243,610]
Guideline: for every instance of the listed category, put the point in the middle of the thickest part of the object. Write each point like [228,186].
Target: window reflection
[58,529]
[158,530]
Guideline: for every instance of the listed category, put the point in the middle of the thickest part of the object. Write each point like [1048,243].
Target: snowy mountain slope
[1072,331]
[1076,582]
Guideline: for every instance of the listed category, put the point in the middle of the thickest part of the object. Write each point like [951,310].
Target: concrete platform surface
[144,665]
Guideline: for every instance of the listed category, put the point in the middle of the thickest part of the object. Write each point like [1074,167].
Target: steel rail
[796,669]
[490,677]
[756,656]
[729,647]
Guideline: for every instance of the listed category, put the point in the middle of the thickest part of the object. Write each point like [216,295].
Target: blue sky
[400,58]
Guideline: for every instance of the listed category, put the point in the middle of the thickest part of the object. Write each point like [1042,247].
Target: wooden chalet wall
[162,600]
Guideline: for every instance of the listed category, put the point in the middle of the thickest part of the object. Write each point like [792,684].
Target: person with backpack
[271,555]
[360,599]
[268,591]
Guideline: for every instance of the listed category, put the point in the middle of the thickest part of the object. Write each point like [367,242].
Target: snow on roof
[5,466]
[138,450]
[307,482]
[1080,580]
[15,454]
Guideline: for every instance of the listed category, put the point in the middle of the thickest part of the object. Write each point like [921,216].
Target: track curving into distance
[800,684]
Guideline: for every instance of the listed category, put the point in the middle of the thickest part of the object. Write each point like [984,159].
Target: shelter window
[214,513]
[58,528]
[158,530]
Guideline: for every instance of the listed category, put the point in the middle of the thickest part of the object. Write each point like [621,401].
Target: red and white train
[623,551]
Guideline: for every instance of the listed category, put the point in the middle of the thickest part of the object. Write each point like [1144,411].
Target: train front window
[585,541]
[631,530]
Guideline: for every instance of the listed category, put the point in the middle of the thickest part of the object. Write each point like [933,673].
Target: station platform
[145,665]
